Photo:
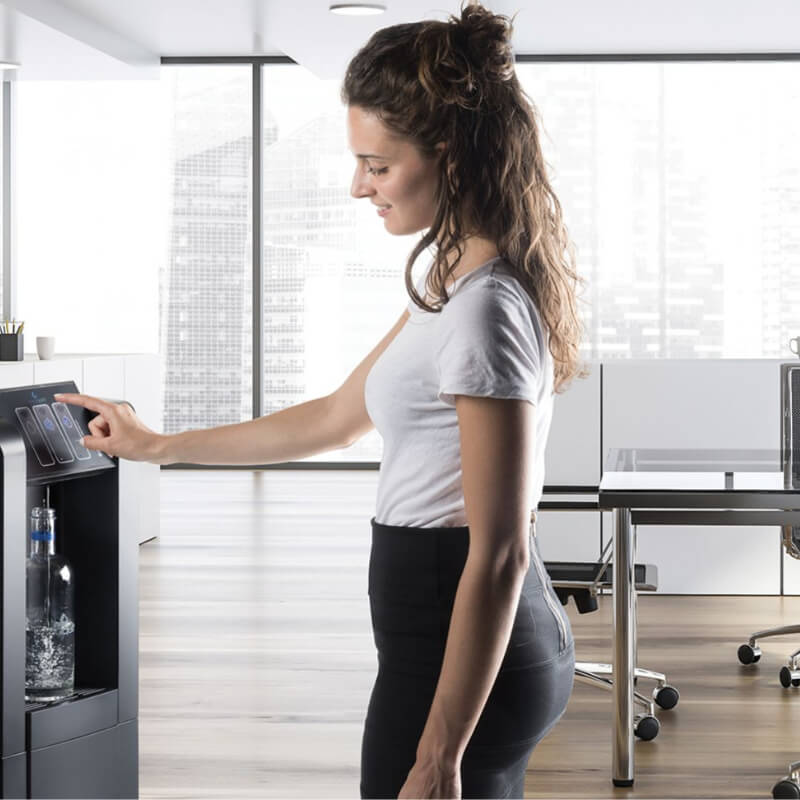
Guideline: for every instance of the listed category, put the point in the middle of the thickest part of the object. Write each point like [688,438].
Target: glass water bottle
[50,614]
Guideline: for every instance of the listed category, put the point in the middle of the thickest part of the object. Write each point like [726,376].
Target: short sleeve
[489,345]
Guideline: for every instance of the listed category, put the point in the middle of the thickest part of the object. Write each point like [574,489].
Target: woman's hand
[116,430]
[429,779]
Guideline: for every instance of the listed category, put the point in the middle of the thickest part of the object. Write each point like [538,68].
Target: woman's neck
[476,251]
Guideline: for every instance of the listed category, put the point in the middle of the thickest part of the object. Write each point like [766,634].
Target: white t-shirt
[488,341]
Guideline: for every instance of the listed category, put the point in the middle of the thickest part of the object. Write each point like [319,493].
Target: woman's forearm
[290,434]
[480,628]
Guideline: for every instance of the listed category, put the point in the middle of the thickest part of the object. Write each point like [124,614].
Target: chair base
[663,695]
[750,653]
[789,785]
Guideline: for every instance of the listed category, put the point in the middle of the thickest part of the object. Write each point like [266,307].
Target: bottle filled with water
[50,614]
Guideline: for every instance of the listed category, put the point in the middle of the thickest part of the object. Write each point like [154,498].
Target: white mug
[45,346]
[794,345]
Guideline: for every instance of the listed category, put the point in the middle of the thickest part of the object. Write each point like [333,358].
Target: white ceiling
[125,38]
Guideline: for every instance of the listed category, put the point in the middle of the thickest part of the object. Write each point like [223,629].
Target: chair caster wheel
[749,654]
[789,677]
[666,697]
[646,727]
[786,789]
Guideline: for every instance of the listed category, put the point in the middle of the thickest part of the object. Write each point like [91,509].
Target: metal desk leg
[624,647]
[635,604]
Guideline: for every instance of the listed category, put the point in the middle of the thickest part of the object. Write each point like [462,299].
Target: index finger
[85,400]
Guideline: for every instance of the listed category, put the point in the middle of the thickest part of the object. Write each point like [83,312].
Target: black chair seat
[645,579]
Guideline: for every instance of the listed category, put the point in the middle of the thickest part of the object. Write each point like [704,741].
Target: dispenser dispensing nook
[84,744]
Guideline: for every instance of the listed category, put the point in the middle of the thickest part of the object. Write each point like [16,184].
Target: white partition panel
[572,457]
[568,535]
[691,403]
[709,559]
[791,574]
[700,403]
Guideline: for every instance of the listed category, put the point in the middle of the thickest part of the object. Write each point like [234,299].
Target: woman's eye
[373,171]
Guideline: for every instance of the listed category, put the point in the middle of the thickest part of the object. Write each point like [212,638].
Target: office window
[680,185]
[681,188]
[206,283]
[333,276]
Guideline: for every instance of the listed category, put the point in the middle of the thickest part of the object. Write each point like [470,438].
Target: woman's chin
[392,226]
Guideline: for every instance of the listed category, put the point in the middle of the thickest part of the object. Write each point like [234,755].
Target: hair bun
[488,40]
[462,62]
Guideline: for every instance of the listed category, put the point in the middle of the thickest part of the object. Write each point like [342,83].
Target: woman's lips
[382,212]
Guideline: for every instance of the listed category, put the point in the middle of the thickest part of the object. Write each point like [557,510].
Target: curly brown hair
[455,82]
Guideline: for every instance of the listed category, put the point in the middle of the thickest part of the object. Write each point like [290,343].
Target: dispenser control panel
[52,431]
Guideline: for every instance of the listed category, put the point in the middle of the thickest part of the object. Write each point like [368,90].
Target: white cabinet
[142,387]
[59,369]
[15,373]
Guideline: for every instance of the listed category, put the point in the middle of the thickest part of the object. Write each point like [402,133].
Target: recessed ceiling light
[356,9]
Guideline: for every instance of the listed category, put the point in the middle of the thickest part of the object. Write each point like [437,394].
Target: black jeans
[413,577]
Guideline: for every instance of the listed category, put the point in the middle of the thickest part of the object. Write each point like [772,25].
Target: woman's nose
[361,186]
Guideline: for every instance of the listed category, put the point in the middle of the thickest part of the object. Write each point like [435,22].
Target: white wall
[91,213]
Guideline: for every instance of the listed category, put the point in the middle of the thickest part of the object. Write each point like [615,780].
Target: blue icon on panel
[48,423]
[66,422]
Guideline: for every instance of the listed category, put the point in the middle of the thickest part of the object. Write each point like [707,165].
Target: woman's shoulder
[495,286]
[496,296]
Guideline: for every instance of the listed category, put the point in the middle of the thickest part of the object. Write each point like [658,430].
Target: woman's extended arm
[306,429]
[291,433]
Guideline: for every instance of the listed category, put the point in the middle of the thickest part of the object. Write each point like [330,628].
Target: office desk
[679,487]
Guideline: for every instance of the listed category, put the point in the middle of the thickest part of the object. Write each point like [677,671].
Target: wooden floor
[257,658]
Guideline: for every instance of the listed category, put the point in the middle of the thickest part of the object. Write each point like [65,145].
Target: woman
[475,653]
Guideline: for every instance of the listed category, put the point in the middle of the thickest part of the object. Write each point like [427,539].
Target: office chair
[583,581]
[750,652]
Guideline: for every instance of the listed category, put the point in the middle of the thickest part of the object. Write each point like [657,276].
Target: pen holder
[11,347]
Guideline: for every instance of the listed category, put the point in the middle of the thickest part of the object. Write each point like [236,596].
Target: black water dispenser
[86,743]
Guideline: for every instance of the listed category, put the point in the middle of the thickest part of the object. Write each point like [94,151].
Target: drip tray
[85,711]
[76,695]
